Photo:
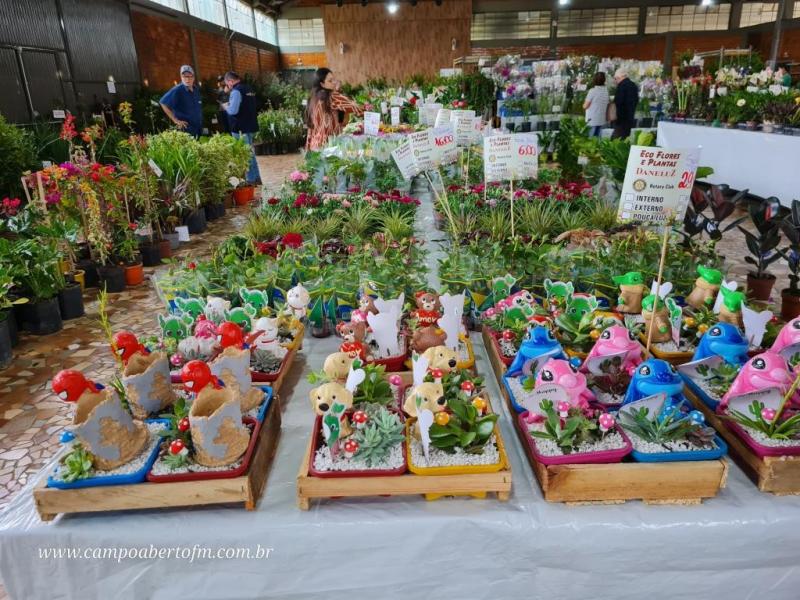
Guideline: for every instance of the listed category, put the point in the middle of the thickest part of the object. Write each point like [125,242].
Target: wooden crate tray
[245,489]
[432,487]
[779,475]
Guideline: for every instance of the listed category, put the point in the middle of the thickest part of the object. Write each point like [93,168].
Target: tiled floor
[32,418]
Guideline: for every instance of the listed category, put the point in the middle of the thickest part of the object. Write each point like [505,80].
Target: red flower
[192,266]
[268,248]
[132,226]
[412,101]
[292,240]
[10,207]
[273,201]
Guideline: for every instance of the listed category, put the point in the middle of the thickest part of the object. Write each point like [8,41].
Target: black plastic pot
[211,212]
[113,278]
[526,127]
[151,255]
[196,221]
[13,327]
[541,125]
[70,302]
[5,341]
[221,209]
[43,317]
[90,276]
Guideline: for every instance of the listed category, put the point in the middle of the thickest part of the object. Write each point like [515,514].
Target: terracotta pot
[134,274]
[244,195]
[790,305]
[759,288]
[164,249]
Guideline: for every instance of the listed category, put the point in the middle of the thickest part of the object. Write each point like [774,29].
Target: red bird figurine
[125,344]
[230,334]
[196,375]
[69,385]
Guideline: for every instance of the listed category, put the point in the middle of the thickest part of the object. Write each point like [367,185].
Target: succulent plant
[669,426]
[569,432]
[719,378]
[466,428]
[376,439]
[264,361]
[76,464]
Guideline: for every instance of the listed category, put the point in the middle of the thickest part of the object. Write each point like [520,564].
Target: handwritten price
[528,150]
[687,179]
[444,140]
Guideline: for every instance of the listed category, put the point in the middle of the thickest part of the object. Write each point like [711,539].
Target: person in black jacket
[242,118]
[626,99]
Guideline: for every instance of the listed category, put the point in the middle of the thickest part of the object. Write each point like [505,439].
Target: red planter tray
[395,363]
[255,429]
[317,441]
[603,456]
[758,449]
[260,377]
[506,360]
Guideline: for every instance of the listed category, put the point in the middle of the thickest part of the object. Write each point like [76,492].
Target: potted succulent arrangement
[763,247]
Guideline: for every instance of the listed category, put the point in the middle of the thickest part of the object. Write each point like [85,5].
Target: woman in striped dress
[324,106]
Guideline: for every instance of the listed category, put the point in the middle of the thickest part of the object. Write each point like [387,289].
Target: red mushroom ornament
[196,375]
[350,448]
[69,385]
[178,447]
[183,424]
[359,419]
[508,335]
[125,344]
[467,386]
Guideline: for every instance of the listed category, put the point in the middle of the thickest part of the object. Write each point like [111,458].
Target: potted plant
[763,246]
[41,278]
[7,318]
[790,297]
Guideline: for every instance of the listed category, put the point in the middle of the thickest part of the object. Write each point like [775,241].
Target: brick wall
[789,49]
[163,46]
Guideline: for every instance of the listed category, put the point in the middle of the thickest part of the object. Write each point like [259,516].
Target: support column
[776,33]
[194,54]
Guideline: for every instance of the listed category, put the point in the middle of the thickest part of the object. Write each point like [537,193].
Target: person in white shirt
[596,105]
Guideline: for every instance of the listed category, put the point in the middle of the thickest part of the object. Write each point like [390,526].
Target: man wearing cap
[242,118]
[182,104]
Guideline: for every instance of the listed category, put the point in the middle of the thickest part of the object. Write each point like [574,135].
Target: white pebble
[440,458]
[642,445]
[324,462]
[612,441]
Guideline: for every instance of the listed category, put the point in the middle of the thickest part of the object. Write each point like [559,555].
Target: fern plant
[383,431]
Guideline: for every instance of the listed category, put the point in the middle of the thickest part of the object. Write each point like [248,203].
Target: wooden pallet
[779,475]
[246,489]
[432,487]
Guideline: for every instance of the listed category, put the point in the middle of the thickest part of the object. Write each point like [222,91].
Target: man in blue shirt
[242,118]
[182,104]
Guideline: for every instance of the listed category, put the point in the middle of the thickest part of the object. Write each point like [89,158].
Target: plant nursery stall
[473,346]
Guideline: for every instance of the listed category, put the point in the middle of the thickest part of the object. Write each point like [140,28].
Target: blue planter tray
[120,479]
[262,412]
[517,407]
[691,455]
[700,393]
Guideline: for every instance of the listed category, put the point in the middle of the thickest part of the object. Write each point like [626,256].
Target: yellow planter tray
[457,470]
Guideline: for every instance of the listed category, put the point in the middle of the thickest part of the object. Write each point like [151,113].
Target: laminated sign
[422,150]
[428,113]
[510,156]
[404,158]
[658,184]
[468,130]
[395,112]
[442,117]
[372,123]
[443,141]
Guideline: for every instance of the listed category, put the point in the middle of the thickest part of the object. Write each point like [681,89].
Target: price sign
[658,183]
[467,130]
[428,113]
[510,156]
[403,157]
[422,150]
[59,114]
[443,140]
[372,123]
[155,168]
[460,113]
[525,163]
[395,115]
[442,117]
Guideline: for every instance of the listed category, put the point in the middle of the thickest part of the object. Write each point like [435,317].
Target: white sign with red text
[510,156]
[443,140]
[404,158]
[658,184]
[422,149]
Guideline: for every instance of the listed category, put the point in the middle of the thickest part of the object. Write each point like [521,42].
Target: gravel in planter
[440,458]
[161,468]
[705,384]
[761,438]
[507,349]
[670,346]
[645,447]
[607,397]
[612,441]
[520,393]
[137,464]
[324,462]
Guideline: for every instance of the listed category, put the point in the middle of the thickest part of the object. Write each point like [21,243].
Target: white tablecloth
[765,163]
[742,544]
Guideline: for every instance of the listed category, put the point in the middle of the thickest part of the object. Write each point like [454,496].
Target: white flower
[741,102]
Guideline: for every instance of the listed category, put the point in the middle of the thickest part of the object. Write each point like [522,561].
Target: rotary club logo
[639,185]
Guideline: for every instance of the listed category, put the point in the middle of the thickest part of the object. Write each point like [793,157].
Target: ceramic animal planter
[197,348]
[539,344]
[174,326]
[731,309]
[100,422]
[337,366]
[332,400]
[366,306]
[233,368]
[656,376]
[427,337]
[353,335]
[216,308]
[725,340]
[148,387]
[441,357]
[662,326]
[789,335]
[615,341]
[558,293]
[764,371]
[218,435]
[266,336]
[428,309]
[297,299]
[706,288]
[631,292]
[257,299]
[193,307]
[560,372]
